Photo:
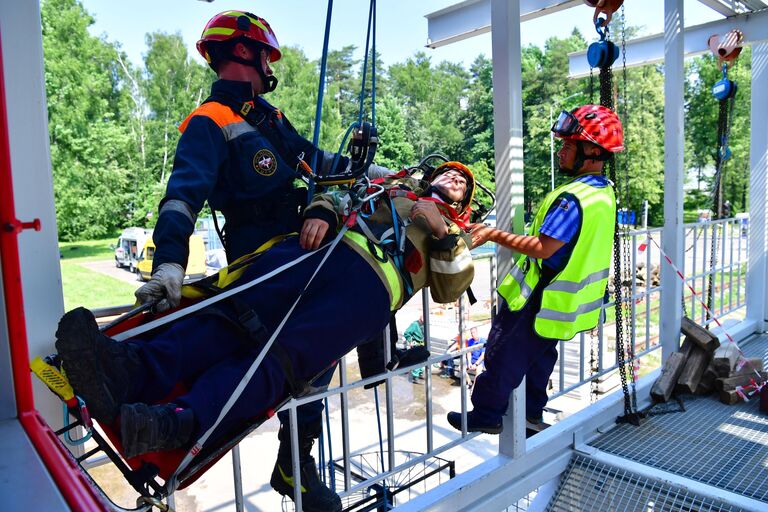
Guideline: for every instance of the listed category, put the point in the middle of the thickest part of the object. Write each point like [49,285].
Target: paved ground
[108,268]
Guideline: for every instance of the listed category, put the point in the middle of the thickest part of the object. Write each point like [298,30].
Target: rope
[381,445]
[320,96]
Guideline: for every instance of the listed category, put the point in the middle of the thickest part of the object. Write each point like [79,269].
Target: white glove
[378,171]
[165,284]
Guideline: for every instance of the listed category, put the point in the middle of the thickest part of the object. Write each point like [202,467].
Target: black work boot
[153,428]
[102,371]
[315,496]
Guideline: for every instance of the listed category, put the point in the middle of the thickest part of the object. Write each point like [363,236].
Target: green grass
[88,250]
[84,287]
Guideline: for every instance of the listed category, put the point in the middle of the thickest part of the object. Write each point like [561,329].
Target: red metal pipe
[72,484]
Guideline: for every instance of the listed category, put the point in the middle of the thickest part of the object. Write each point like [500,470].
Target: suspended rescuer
[210,353]
[557,286]
[241,155]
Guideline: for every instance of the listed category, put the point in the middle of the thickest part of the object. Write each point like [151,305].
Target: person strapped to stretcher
[165,389]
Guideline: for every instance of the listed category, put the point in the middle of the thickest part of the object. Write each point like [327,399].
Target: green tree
[90,143]
[394,149]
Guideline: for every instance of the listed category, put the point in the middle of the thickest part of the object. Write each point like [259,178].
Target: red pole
[70,481]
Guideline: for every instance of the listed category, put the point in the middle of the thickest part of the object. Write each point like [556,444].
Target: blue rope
[365,62]
[373,67]
[381,442]
[330,447]
[320,95]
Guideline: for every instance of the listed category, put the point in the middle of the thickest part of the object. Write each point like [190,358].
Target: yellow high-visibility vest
[571,303]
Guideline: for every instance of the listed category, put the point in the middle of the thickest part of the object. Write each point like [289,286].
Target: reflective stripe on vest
[388,268]
[571,303]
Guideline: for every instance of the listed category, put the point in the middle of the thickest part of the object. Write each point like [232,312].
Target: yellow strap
[389,269]
[52,378]
[225,277]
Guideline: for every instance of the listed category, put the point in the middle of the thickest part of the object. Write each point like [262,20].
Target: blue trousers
[345,305]
[514,351]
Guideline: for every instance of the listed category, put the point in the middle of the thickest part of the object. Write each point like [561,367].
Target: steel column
[508,143]
[674,176]
[757,273]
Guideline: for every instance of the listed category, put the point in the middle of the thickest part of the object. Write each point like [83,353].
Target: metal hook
[602,30]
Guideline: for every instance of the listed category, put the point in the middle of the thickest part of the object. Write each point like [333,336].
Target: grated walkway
[722,446]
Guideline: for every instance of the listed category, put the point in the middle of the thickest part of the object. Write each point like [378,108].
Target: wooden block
[664,386]
[707,383]
[692,372]
[750,365]
[730,383]
[687,346]
[725,359]
[730,397]
[699,335]
[705,387]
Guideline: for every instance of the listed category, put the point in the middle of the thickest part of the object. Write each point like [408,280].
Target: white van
[129,247]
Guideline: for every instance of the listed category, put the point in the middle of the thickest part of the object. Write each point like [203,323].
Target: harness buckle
[253,325]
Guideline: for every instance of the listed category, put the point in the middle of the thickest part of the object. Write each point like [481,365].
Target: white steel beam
[650,49]
[725,9]
[757,270]
[674,176]
[508,146]
[473,17]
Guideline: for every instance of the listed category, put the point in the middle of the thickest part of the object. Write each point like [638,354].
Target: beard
[565,171]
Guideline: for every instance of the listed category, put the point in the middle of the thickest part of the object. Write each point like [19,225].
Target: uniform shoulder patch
[564,204]
[264,162]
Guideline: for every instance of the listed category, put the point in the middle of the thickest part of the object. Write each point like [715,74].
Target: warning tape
[743,391]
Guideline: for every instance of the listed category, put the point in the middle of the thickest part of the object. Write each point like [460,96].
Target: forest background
[113,125]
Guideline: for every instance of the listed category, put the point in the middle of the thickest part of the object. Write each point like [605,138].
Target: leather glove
[378,171]
[165,284]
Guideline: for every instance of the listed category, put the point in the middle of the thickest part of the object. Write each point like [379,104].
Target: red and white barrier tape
[740,390]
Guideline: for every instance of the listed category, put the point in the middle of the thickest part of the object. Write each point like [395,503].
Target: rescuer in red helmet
[556,289]
[241,155]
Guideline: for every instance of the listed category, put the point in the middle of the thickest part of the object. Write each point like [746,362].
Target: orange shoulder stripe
[218,113]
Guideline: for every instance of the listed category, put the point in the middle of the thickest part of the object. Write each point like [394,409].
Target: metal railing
[582,362]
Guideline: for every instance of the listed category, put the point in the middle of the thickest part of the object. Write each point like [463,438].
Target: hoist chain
[625,357]
[724,121]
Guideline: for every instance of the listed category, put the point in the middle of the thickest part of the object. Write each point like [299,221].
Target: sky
[401,25]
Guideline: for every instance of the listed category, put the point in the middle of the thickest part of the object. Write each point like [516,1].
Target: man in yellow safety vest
[557,286]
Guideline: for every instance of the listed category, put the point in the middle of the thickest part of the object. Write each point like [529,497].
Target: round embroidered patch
[264,162]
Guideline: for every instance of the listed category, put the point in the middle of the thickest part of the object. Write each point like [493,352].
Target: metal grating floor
[592,486]
[719,445]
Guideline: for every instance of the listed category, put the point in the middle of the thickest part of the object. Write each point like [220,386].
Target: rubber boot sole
[76,344]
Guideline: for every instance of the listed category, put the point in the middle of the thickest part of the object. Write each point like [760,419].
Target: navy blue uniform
[514,350]
[211,356]
[239,171]
[243,171]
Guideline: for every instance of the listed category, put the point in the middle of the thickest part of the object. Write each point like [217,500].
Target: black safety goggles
[566,124]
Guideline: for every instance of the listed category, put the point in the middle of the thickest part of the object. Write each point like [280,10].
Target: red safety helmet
[465,203]
[230,25]
[591,123]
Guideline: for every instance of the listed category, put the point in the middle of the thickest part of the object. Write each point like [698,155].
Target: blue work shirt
[563,222]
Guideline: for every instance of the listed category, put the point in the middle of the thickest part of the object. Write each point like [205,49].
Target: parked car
[129,246]
[195,264]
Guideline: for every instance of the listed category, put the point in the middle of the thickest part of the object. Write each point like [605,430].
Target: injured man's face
[452,184]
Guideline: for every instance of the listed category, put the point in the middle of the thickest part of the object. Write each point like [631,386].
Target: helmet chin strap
[581,157]
[269,83]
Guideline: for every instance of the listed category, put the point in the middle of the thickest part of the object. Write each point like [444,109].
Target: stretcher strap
[173,482]
[131,333]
